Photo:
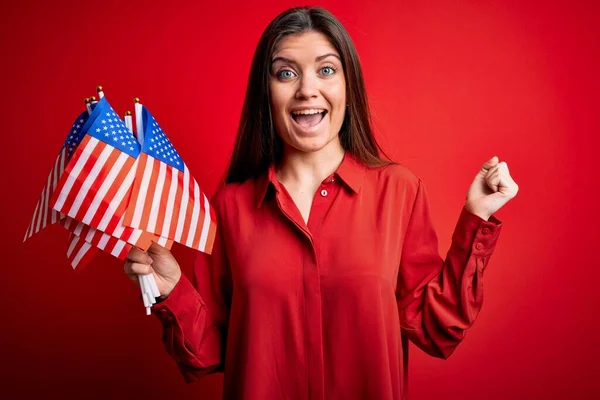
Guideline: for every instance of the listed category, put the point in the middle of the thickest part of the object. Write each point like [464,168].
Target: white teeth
[307,112]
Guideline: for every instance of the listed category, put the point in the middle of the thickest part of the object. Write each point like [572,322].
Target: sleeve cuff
[476,234]
[183,299]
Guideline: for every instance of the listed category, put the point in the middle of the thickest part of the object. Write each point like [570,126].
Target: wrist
[481,214]
[167,292]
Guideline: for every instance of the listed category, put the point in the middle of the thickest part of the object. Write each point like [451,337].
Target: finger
[138,256]
[494,170]
[493,182]
[139,269]
[489,163]
[156,248]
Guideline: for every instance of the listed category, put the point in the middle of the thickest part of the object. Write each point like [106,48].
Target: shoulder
[231,195]
[394,176]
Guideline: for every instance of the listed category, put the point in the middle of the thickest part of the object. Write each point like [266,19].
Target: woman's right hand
[159,262]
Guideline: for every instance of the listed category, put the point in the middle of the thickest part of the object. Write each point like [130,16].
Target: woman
[325,260]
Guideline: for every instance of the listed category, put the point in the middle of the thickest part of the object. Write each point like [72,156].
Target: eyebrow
[289,60]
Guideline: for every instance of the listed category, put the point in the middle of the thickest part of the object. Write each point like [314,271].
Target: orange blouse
[289,310]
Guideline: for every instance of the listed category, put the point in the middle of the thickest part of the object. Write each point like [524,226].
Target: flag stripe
[118,202]
[117,160]
[157,190]
[177,206]
[101,155]
[163,208]
[193,223]
[170,203]
[77,165]
[184,203]
[142,189]
[135,195]
[205,225]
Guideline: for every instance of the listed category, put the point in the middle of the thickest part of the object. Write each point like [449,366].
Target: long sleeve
[438,300]
[194,316]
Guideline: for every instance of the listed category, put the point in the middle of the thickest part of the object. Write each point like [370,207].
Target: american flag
[166,199]
[97,182]
[80,252]
[44,215]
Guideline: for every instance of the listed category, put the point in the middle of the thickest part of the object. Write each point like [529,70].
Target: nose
[309,87]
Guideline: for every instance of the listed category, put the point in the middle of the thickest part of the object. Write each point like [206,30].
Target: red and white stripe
[95,190]
[44,215]
[169,203]
[109,243]
[80,252]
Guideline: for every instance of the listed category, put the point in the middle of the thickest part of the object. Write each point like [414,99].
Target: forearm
[189,335]
[440,311]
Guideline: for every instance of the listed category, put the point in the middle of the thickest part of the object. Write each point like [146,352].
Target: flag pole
[100,92]
[88,106]
[139,124]
[147,282]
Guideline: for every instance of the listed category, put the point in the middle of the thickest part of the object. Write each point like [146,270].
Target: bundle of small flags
[113,189]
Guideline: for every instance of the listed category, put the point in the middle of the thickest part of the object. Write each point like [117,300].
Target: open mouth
[309,120]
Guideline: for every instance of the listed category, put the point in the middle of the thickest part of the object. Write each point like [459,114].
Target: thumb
[156,248]
[487,165]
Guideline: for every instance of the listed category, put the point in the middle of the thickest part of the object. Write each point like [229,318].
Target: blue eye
[330,67]
[280,73]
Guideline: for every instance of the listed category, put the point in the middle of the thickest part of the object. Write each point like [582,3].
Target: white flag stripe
[206,224]
[114,203]
[166,228]
[135,235]
[90,235]
[106,185]
[118,248]
[72,245]
[54,174]
[90,179]
[195,215]
[156,200]
[40,212]
[120,227]
[139,207]
[47,193]
[184,201]
[162,241]
[103,240]
[58,171]
[82,251]
[32,224]
[78,228]
[66,189]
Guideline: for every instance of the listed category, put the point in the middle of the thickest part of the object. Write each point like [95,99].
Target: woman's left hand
[492,188]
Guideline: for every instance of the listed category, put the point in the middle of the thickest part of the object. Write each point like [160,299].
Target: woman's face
[308,91]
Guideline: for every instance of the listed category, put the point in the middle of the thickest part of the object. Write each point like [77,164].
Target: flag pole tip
[99,88]
[127,113]
[136,99]
[93,98]
[86,100]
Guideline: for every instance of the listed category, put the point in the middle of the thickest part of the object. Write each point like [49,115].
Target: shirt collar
[351,171]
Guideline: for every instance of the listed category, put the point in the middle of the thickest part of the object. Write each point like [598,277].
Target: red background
[451,84]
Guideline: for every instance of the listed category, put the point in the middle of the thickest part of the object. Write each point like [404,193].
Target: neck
[299,168]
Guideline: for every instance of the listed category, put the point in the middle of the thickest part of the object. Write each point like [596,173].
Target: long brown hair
[257,144]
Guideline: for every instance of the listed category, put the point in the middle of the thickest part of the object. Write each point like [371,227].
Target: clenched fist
[159,262]
[491,189]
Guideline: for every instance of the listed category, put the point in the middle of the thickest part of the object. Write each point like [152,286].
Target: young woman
[325,261]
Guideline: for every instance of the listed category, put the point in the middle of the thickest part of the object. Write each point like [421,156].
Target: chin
[314,144]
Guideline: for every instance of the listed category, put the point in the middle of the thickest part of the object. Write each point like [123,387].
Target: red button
[479,246]
[485,231]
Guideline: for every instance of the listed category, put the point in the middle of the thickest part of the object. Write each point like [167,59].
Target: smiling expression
[307,91]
